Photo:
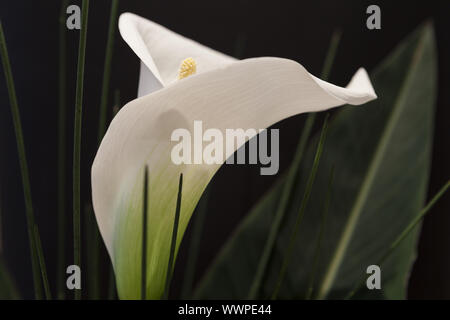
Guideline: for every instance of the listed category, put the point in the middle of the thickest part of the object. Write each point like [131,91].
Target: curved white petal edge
[224,94]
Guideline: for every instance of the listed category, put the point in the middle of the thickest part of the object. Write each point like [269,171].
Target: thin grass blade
[107,69]
[404,234]
[174,239]
[92,253]
[291,177]
[77,140]
[309,185]
[331,55]
[48,294]
[369,178]
[23,164]
[320,237]
[61,243]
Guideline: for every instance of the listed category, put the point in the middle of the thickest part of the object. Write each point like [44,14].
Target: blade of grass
[77,140]
[291,177]
[174,240]
[301,213]
[48,295]
[331,55]
[23,164]
[413,224]
[60,270]
[281,209]
[95,257]
[195,244]
[144,237]
[96,239]
[107,69]
[315,265]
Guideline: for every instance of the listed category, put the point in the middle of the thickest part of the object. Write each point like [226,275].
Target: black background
[299,30]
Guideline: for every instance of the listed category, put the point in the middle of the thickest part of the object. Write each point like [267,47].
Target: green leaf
[381,154]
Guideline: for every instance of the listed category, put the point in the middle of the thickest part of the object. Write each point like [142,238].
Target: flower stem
[174,239]
[77,140]
[23,164]
[60,274]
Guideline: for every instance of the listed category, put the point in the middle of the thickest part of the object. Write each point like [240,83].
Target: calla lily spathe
[224,93]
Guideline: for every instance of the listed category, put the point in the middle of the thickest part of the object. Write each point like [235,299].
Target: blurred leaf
[381,153]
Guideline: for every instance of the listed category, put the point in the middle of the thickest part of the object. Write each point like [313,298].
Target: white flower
[223,93]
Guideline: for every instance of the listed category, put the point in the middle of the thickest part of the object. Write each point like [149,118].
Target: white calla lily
[224,93]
